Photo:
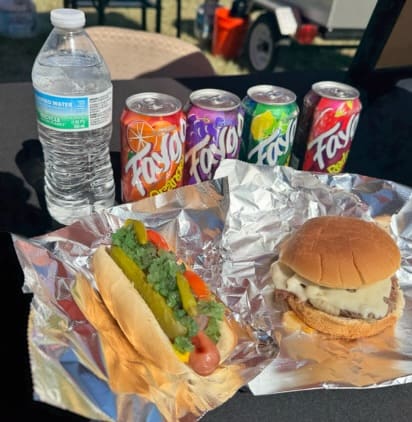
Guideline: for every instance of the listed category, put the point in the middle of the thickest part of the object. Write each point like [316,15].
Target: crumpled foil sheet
[229,230]
[73,364]
[267,203]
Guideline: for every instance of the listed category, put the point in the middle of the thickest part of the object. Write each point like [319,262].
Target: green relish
[161,267]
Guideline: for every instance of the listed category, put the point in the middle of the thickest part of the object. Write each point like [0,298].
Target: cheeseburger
[338,275]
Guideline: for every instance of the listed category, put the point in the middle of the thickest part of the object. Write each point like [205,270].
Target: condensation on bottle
[74,105]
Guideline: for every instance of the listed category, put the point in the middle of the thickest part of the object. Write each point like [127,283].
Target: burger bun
[341,252]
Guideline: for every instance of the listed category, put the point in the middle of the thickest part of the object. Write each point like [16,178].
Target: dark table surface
[382,148]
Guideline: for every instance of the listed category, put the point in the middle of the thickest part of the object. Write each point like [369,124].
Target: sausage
[205,358]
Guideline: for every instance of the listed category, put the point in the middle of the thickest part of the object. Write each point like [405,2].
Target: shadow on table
[17,215]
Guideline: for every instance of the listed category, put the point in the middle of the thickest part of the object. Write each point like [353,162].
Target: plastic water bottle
[74,104]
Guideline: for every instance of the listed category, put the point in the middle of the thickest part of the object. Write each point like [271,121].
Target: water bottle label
[64,113]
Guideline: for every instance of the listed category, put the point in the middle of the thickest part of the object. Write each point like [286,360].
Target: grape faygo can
[153,129]
[214,128]
[326,127]
[271,115]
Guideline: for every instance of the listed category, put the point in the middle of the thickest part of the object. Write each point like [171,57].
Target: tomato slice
[157,239]
[197,284]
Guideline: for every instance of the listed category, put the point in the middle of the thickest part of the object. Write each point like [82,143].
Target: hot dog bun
[183,395]
[138,323]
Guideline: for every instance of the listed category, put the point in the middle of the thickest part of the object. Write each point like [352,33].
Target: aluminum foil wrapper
[81,361]
[229,230]
[267,203]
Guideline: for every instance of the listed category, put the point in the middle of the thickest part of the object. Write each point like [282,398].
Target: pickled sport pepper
[156,302]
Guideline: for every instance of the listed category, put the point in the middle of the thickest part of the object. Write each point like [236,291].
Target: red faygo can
[152,136]
[326,127]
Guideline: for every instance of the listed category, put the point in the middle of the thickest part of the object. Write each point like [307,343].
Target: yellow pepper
[186,295]
[139,230]
[155,301]
[182,356]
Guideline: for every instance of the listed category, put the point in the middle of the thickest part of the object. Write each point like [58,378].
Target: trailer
[279,20]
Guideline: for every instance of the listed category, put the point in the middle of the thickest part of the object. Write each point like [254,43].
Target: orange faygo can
[152,136]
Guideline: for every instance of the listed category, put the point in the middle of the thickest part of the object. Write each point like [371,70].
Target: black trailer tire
[261,43]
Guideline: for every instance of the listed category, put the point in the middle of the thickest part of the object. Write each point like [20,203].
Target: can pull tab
[215,99]
[274,95]
[152,104]
[338,93]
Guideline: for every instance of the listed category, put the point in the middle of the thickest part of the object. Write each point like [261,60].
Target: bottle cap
[68,18]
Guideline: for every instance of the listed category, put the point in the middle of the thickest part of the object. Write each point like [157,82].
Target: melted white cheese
[365,301]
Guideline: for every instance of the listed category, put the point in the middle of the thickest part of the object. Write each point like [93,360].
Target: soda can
[152,136]
[327,126]
[271,115]
[214,129]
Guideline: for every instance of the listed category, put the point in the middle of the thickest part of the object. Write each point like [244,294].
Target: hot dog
[165,309]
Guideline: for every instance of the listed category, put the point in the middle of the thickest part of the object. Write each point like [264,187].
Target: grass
[17,55]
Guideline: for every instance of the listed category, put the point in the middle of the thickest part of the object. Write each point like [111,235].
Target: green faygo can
[271,116]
